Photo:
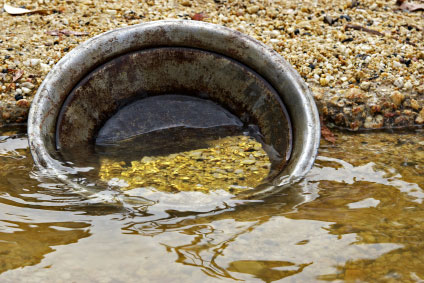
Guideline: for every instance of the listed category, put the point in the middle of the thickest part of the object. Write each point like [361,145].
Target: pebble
[275,33]
[397,98]
[45,68]
[26,90]
[23,103]
[397,64]
[420,117]
[365,85]
[27,85]
[323,81]
[34,62]
[408,85]
[398,82]
[252,9]
[414,104]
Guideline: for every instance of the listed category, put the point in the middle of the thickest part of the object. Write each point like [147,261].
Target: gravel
[364,61]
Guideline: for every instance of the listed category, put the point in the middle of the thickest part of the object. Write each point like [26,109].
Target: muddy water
[357,216]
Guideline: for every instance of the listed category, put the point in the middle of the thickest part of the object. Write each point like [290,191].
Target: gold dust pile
[234,163]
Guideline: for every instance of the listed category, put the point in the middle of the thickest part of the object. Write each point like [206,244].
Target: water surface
[357,216]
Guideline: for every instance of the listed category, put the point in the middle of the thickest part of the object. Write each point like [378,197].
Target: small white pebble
[253,168]
[18,91]
[27,63]
[111,12]
[45,68]
[26,90]
[397,64]
[275,33]
[398,82]
[408,85]
[248,162]
[365,85]
[34,62]
[239,171]
[252,9]
[27,84]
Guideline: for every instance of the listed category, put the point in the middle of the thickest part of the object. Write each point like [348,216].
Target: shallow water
[357,216]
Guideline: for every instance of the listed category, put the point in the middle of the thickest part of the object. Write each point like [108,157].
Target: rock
[28,85]
[275,33]
[397,64]
[329,20]
[398,82]
[414,104]
[420,117]
[323,81]
[420,90]
[376,122]
[248,162]
[34,62]
[397,98]
[252,9]
[5,115]
[23,103]
[26,90]
[355,94]
[408,85]
[44,68]
[365,85]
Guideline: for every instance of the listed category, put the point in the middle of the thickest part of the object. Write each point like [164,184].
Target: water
[357,216]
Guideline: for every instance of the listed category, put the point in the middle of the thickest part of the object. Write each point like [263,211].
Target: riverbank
[364,61]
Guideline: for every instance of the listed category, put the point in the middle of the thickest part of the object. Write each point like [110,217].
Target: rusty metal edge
[269,64]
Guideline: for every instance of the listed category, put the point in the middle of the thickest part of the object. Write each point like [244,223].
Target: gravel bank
[363,60]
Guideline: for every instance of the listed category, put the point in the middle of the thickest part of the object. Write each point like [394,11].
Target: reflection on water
[357,216]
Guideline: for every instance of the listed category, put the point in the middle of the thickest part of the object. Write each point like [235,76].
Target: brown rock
[376,122]
[414,104]
[397,98]
[252,9]
[420,89]
[23,103]
[375,109]
[355,94]
[420,117]
[5,115]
